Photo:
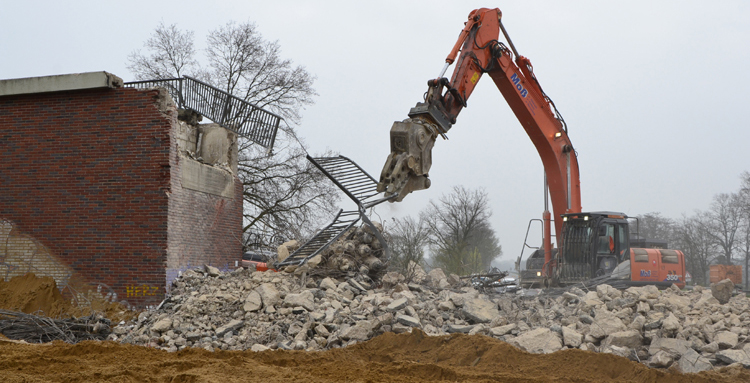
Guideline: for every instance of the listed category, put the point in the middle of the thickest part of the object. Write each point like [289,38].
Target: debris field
[687,331]
[246,325]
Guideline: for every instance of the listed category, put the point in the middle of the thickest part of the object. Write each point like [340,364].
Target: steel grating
[357,185]
[354,181]
[233,113]
[343,221]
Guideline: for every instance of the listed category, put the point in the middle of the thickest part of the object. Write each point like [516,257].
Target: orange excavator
[589,245]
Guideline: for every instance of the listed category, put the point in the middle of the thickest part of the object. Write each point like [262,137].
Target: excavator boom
[477,52]
[589,244]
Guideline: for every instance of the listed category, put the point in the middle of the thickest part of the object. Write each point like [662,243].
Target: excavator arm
[476,53]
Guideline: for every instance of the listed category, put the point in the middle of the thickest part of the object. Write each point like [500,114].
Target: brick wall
[203,229]
[93,176]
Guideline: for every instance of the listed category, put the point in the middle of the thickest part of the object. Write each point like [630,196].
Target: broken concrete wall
[206,201]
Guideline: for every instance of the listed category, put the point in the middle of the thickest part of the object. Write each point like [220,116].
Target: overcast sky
[654,92]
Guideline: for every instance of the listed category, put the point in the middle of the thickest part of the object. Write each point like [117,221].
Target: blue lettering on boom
[517,82]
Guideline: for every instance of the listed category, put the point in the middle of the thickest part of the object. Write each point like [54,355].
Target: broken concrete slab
[692,362]
[479,310]
[722,290]
[540,341]
[670,345]
[734,356]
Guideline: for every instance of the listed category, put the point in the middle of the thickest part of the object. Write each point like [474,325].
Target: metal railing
[343,221]
[354,181]
[230,112]
[358,185]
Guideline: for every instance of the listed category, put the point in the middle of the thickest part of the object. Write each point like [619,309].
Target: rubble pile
[358,250]
[687,330]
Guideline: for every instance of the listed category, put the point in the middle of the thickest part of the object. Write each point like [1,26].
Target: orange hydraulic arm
[477,52]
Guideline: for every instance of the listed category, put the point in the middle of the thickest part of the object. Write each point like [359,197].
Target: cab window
[606,239]
[622,236]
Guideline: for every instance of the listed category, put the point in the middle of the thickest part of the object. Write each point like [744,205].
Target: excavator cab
[594,244]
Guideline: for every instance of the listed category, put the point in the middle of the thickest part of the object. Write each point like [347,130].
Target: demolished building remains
[104,186]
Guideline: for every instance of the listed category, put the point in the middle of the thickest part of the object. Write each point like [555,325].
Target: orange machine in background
[659,267]
[722,272]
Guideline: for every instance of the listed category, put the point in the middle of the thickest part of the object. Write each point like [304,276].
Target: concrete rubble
[687,330]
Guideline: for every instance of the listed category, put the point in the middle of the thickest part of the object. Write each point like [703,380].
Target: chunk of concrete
[726,339]
[722,290]
[538,341]
[231,326]
[408,320]
[356,332]
[212,271]
[670,345]
[502,330]
[671,324]
[571,338]
[304,299]
[162,325]
[328,284]
[692,362]
[286,248]
[464,329]
[661,359]
[253,302]
[479,310]
[628,338]
[706,299]
[398,304]
[269,294]
[605,323]
[734,356]
[435,276]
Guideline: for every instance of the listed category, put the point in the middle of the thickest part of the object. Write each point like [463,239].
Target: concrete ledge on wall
[206,178]
[58,83]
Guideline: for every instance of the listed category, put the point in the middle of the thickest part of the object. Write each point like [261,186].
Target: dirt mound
[411,357]
[32,294]
[29,293]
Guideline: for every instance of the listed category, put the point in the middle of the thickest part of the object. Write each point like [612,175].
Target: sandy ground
[411,357]
[39,295]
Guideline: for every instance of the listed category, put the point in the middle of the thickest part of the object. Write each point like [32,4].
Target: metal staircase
[230,112]
[361,188]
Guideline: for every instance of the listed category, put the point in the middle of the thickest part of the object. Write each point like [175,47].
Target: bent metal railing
[233,113]
[358,185]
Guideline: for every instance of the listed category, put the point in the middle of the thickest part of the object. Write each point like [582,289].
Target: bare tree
[462,240]
[284,194]
[654,226]
[408,239]
[697,244]
[171,54]
[723,222]
[245,65]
